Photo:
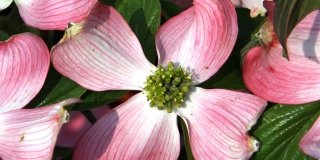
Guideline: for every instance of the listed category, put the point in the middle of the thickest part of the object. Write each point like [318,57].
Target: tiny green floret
[167,87]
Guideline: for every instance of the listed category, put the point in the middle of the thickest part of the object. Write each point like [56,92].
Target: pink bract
[295,81]
[24,63]
[255,6]
[51,14]
[24,66]
[310,143]
[102,53]
[290,81]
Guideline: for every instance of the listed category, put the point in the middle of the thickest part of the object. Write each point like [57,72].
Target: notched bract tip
[72,30]
[253,144]
[266,34]
[64,116]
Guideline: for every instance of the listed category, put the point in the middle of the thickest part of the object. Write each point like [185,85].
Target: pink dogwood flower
[255,6]
[295,81]
[102,53]
[27,134]
[51,14]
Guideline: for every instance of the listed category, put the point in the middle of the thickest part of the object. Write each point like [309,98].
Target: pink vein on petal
[304,39]
[105,54]
[53,14]
[24,64]
[200,38]
[30,134]
[255,6]
[133,130]
[271,76]
[218,121]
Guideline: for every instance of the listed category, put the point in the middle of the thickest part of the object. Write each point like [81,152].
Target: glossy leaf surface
[281,128]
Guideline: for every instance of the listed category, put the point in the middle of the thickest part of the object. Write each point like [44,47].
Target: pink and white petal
[24,64]
[200,39]
[310,143]
[53,14]
[102,53]
[304,40]
[218,121]
[255,6]
[71,132]
[30,134]
[133,130]
[269,75]
[4,4]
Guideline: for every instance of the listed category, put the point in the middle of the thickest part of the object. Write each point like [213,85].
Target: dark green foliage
[281,128]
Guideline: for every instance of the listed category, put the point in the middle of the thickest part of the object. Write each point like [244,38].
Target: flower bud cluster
[167,87]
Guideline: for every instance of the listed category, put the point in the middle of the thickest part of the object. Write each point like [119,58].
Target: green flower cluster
[168,87]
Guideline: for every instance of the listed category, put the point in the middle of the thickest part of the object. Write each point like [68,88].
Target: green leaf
[3,36]
[108,2]
[96,99]
[62,153]
[144,19]
[288,13]
[281,128]
[56,89]
[169,9]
